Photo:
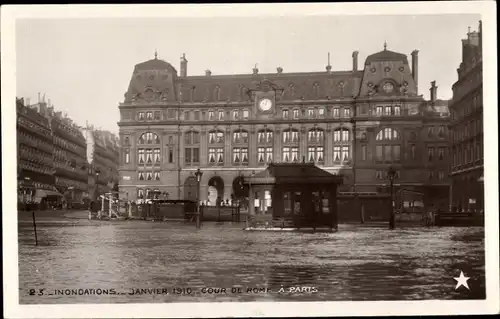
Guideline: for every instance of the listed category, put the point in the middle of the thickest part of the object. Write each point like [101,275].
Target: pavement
[53,214]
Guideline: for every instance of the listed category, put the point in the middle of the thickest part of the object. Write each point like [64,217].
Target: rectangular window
[286,136]
[397,152]
[286,154]
[347,112]
[336,154]
[127,156]
[320,154]
[295,136]
[441,131]
[236,155]
[140,116]
[269,154]
[413,151]
[211,156]
[157,155]
[336,112]
[149,116]
[149,156]
[345,135]
[379,111]
[236,115]
[211,115]
[397,110]
[311,154]
[379,155]
[187,156]
[195,155]
[363,153]
[430,153]
[310,113]
[261,155]
[220,116]
[388,111]
[157,176]
[430,131]
[441,153]
[170,113]
[170,155]
[295,154]
[187,116]
[141,156]
[285,114]
[387,153]
[157,115]
[220,155]
[441,175]
[245,114]
[196,115]
[295,114]
[321,112]
[345,153]
[244,155]
[336,136]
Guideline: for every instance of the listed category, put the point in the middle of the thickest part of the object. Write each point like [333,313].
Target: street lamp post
[198,175]
[391,174]
[97,172]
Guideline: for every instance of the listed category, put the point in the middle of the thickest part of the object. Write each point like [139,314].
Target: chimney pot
[433,90]
[208,72]
[279,69]
[414,68]
[355,60]
[184,62]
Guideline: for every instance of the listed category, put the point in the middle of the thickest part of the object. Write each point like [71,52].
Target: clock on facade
[265,104]
[388,87]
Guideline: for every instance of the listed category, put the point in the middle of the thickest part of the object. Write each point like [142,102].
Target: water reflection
[357,263]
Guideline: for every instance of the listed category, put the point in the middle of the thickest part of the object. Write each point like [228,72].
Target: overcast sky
[84,65]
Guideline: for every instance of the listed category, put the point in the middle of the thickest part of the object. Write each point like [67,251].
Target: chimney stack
[255,70]
[355,60]
[184,65]
[433,90]
[414,68]
[39,97]
[279,70]
[208,72]
[27,101]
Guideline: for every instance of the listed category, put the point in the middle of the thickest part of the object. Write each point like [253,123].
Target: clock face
[388,87]
[265,104]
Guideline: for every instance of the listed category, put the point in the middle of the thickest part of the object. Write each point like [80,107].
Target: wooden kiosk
[293,196]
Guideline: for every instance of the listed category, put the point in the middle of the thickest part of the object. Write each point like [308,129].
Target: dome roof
[386,55]
[154,64]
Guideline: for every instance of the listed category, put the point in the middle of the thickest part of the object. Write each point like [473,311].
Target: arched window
[240,151]
[342,146]
[240,137]
[149,138]
[341,135]
[265,146]
[387,134]
[290,150]
[215,137]
[388,148]
[315,142]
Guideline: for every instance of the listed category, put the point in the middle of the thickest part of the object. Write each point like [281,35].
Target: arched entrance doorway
[215,190]
[190,188]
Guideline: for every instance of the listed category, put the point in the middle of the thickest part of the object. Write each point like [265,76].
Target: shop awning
[41,193]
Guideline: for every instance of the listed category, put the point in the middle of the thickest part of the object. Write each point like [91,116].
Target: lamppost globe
[198,175]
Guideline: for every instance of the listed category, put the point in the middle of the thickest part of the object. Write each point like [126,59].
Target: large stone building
[467,127]
[35,171]
[102,157]
[234,125]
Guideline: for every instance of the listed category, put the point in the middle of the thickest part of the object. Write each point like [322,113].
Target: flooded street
[118,259]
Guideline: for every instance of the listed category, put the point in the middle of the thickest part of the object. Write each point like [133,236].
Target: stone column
[251,208]
[252,147]
[303,143]
[277,145]
[228,142]
[328,145]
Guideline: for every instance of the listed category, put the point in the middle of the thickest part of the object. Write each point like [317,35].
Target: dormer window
[220,115]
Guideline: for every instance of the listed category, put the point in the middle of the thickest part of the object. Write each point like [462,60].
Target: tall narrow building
[467,170]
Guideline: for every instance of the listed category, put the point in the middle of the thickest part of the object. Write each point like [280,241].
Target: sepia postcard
[250,160]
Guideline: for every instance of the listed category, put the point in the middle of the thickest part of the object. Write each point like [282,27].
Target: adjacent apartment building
[467,165]
[356,122]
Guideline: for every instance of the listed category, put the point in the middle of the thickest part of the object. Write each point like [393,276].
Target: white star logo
[461,281]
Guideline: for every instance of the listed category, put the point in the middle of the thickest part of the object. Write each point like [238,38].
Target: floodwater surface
[82,261]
